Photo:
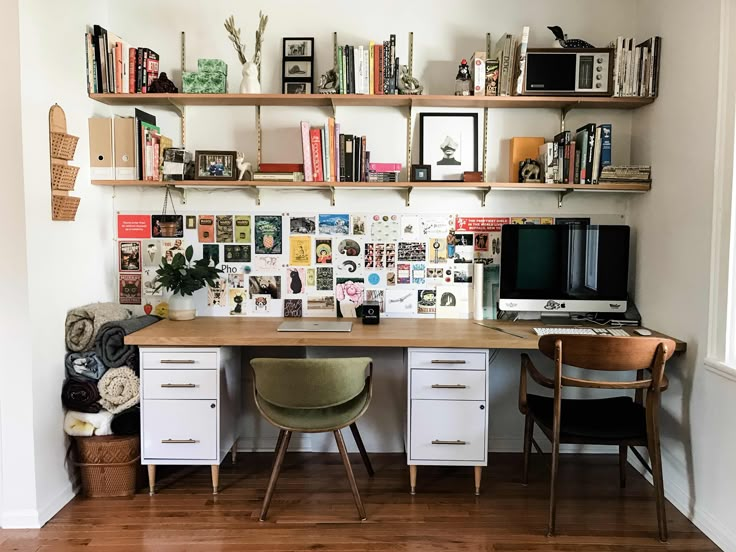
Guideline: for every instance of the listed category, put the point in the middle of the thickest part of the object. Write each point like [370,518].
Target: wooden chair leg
[278,441]
[413,479]
[215,478]
[478,473]
[552,488]
[151,479]
[623,460]
[655,456]
[284,439]
[528,436]
[351,477]
[234,452]
[361,448]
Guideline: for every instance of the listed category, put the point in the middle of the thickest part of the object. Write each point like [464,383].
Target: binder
[100,149]
[124,148]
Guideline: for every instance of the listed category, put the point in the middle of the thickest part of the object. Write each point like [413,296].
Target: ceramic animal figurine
[250,83]
[245,169]
[561,40]
[407,83]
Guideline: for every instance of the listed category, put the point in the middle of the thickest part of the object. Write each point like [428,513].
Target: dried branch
[259,41]
[234,36]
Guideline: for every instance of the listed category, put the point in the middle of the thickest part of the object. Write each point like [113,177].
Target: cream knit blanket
[85,424]
[119,389]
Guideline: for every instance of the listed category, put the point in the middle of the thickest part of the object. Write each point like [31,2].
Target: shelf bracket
[409,190]
[564,110]
[560,195]
[332,195]
[259,140]
[182,194]
[182,111]
[484,195]
[257,190]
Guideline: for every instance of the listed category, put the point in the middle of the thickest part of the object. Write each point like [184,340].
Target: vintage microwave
[569,71]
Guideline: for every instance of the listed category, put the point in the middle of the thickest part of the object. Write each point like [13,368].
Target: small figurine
[162,85]
[328,82]
[530,171]
[408,84]
[462,80]
[451,242]
[561,40]
[245,169]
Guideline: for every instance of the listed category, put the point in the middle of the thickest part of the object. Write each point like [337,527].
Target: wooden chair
[611,421]
[313,396]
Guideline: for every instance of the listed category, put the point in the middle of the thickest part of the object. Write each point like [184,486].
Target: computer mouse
[642,331]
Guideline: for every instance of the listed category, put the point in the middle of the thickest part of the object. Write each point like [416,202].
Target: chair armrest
[528,366]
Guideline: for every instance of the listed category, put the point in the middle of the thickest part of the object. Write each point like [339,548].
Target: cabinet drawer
[179,360]
[448,360]
[180,384]
[467,385]
[448,430]
[179,430]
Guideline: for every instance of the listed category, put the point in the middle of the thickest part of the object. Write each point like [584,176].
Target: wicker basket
[63,177]
[63,145]
[64,207]
[108,465]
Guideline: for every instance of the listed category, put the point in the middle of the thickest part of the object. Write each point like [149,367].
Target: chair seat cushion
[316,419]
[613,418]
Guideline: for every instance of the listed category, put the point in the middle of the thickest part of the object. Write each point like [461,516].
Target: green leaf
[189,253]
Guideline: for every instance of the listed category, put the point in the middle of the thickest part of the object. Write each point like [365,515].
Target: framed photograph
[297,88]
[191,222]
[421,173]
[215,165]
[298,47]
[448,143]
[297,69]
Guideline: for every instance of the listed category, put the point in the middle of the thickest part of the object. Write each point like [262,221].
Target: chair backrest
[309,383]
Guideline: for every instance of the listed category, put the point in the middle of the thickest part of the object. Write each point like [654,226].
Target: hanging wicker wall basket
[63,175]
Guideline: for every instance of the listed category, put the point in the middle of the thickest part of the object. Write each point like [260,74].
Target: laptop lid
[314,326]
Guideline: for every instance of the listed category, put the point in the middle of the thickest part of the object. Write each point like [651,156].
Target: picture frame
[297,87]
[298,47]
[297,66]
[448,143]
[421,173]
[215,165]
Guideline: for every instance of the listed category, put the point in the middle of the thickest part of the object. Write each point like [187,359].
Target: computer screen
[572,268]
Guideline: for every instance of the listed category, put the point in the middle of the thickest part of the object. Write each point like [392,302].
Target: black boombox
[568,71]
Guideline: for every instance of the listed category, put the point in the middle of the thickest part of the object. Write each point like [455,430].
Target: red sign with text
[134,226]
[480,224]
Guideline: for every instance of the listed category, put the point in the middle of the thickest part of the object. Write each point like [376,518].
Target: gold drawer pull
[177,385]
[441,442]
[165,361]
[179,441]
[449,386]
[448,362]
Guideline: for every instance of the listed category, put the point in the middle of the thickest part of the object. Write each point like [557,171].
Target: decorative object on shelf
[448,142]
[63,175]
[183,278]
[408,84]
[530,171]
[561,40]
[210,78]
[297,68]
[162,85]
[215,165]
[251,83]
[463,82]
[421,173]
[245,169]
[178,164]
[328,82]
[472,176]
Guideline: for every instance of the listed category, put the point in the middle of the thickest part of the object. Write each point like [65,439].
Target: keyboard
[582,331]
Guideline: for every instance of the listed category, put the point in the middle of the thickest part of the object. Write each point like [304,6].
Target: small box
[472,176]
[178,155]
[211,66]
[371,313]
[204,83]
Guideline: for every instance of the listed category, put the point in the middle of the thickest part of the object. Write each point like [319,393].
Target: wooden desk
[392,332]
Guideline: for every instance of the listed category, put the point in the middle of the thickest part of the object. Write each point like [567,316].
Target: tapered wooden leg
[284,438]
[361,448]
[278,441]
[151,479]
[478,473]
[234,452]
[528,436]
[552,487]
[655,456]
[215,478]
[413,479]
[623,459]
[351,477]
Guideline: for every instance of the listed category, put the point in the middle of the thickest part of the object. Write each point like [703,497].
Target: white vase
[250,83]
[181,307]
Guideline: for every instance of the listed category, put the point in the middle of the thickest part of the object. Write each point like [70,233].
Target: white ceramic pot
[181,307]
[250,83]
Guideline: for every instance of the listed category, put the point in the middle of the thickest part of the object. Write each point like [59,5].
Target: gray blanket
[83,323]
[84,365]
[110,347]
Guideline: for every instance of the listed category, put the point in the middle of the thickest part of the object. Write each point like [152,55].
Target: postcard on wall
[206,230]
[334,224]
[532,220]
[191,222]
[401,302]
[236,302]
[237,253]
[462,273]
[426,301]
[242,228]
[376,296]
[418,274]
[130,256]
[375,280]
[296,280]
[157,220]
[262,304]
[385,228]
[148,282]
[435,275]
[390,278]
[302,225]
[403,273]
[320,304]
[480,241]
[436,225]
[292,308]
[438,250]
[265,285]
[151,252]
[453,301]
[412,251]
[357,224]
[236,280]
[323,251]
[267,263]
[134,227]
[130,289]
[480,224]
[410,228]
[311,277]
[325,278]
[224,228]
[300,250]
[268,235]
[211,252]
[216,295]
[463,248]
[349,295]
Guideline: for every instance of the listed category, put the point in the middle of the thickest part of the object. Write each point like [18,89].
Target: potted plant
[182,278]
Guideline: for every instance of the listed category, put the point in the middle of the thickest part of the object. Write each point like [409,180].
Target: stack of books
[280,172]
[502,73]
[636,67]
[578,158]
[372,69]
[384,172]
[626,174]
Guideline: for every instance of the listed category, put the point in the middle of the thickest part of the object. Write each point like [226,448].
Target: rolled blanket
[119,389]
[85,424]
[84,365]
[83,323]
[128,422]
[109,344]
[80,395]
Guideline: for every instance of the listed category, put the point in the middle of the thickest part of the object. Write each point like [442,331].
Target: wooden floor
[313,510]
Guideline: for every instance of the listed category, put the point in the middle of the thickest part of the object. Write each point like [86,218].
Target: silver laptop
[314,326]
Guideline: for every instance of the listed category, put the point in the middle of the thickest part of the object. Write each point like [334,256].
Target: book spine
[342,158]
[384,167]
[356,158]
[606,144]
[131,70]
[151,67]
[596,157]
[479,74]
[569,162]
[331,147]
[336,145]
[384,68]
[589,153]
[344,76]
[118,67]
[359,70]
[281,167]
[349,153]
[617,66]
[87,48]
[578,158]
[522,60]
[656,65]
[144,64]
[96,41]
[363,159]
[367,72]
[340,89]
[323,139]
[391,58]
[351,71]
[371,69]
[316,154]
[138,68]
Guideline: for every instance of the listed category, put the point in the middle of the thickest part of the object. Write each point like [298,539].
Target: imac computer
[564,268]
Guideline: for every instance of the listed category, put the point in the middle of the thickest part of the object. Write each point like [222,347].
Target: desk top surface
[394,332]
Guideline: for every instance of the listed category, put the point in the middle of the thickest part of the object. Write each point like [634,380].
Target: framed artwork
[298,47]
[421,173]
[448,143]
[297,71]
[215,165]
[297,88]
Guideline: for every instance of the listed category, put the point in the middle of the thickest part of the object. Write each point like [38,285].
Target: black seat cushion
[614,418]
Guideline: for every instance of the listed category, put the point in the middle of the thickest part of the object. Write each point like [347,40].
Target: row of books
[372,69]
[116,67]
[501,74]
[636,67]
[578,158]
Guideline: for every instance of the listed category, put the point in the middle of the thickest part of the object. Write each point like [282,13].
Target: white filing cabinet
[447,420]
[190,407]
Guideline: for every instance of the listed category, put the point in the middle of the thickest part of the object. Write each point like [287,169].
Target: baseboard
[676,491]
[299,442]
[61,499]
[20,519]
[517,445]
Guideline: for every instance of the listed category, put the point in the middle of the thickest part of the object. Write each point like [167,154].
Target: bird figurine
[562,41]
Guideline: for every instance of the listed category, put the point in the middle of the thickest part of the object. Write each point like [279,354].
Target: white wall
[673,222]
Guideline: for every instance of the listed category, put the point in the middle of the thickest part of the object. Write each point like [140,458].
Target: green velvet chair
[313,396]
